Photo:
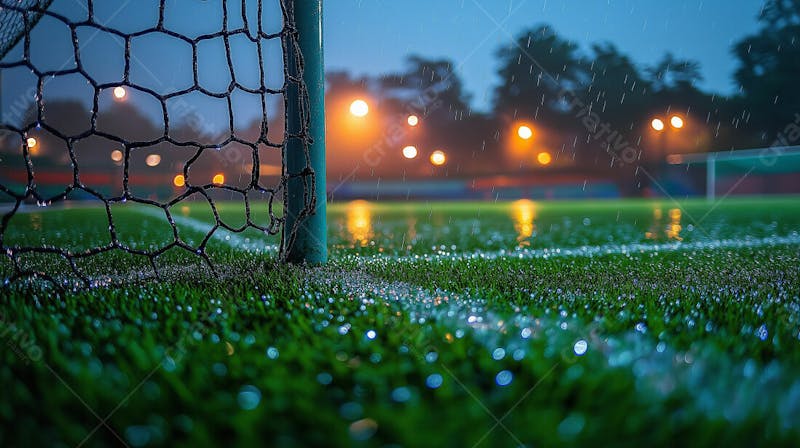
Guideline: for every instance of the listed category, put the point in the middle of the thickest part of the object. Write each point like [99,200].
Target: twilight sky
[365,37]
[373,36]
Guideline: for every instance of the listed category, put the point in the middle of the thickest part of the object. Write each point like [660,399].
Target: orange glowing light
[31,142]
[359,108]
[119,92]
[153,160]
[116,155]
[359,222]
[438,158]
[674,159]
[523,215]
[676,122]
[413,120]
[657,124]
[525,132]
[179,180]
[410,152]
[219,179]
[544,158]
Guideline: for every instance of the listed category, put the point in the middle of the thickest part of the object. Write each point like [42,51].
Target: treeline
[576,99]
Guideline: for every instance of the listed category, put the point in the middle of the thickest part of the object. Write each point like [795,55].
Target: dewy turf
[622,323]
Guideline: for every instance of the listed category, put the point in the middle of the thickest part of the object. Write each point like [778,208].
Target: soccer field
[435,324]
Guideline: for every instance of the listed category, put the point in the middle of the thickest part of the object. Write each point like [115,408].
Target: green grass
[690,315]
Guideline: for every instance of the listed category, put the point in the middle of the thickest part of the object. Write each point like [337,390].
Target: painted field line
[225,236]
[588,251]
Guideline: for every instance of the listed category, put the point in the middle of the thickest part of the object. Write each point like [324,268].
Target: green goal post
[306,234]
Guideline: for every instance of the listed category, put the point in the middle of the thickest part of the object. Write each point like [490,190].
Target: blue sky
[374,36]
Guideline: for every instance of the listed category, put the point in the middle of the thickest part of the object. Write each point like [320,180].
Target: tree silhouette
[535,70]
[673,74]
[769,67]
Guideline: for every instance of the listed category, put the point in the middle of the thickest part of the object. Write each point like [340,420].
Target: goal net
[151,136]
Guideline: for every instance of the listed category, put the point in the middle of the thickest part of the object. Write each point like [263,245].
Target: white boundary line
[235,240]
[587,251]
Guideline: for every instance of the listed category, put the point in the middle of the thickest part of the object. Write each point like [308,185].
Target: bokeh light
[218,179]
[359,222]
[120,92]
[31,142]
[657,124]
[676,122]
[359,108]
[544,158]
[413,120]
[153,160]
[179,180]
[410,152]
[116,155]
[525,132]
[438,158]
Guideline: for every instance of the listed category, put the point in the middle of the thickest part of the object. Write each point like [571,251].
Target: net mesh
[13,25]
[187,131]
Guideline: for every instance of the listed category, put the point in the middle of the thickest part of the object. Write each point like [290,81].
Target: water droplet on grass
[219,369]
[249,397]
[363,429]
[324,378]
[762,332]
[401,394]
[498,354]
[138,435]
[431,357]
[434,381]
[504,378]
[351,410]
[571,426]
[580,347]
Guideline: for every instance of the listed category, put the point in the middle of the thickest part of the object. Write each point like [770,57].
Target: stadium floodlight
[359,108]
[289,31]
[525,132]
[657,124]
[410,152]
[738,166]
